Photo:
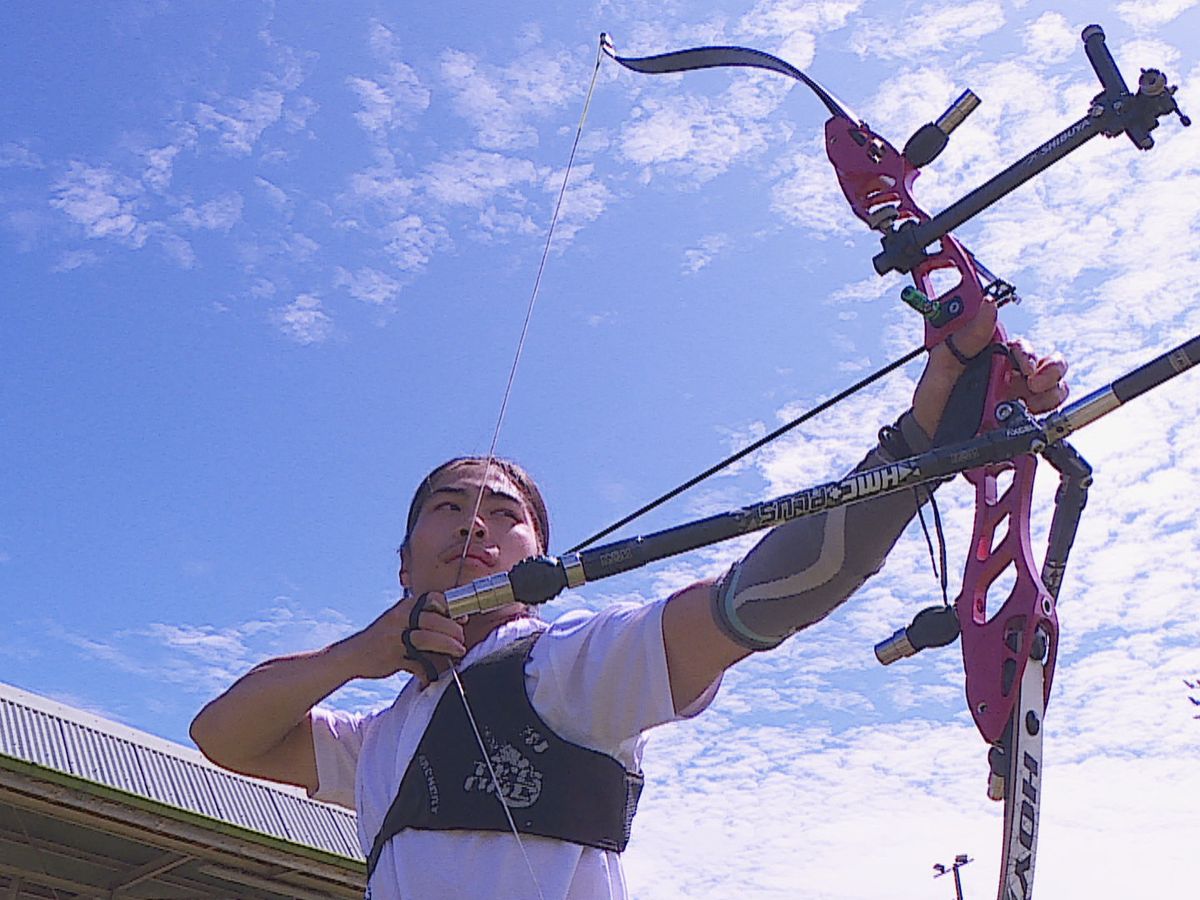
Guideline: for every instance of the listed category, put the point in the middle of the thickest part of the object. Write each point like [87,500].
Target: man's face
[500,535]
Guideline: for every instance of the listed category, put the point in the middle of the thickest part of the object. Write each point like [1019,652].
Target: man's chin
[471,570]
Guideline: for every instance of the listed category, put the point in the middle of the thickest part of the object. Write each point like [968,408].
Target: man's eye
[448,505]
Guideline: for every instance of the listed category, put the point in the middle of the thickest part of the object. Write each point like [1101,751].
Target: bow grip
[997,648]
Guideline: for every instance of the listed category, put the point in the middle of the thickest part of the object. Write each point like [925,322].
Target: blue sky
[266,264]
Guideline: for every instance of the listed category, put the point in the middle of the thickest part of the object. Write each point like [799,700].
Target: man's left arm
[821,572]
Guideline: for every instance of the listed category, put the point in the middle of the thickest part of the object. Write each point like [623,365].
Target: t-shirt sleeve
[337,741]
[601,679]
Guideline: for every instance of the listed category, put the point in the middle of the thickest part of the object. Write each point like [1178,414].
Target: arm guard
[800,572]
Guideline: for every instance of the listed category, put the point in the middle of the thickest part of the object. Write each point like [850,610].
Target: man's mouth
[479,557]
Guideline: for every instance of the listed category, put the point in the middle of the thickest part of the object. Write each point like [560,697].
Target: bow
[1009,648]
[1009,651]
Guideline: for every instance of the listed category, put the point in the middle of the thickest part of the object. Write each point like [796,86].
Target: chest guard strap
[552,787]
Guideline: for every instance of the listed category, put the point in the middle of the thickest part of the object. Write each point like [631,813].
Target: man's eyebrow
[464,492]
[458,492]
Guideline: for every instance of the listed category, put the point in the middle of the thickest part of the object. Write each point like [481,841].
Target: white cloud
[160,163]
[296,113]
[473,177]
[696,258]
[368,285]
[586,198]
[262,288]
[382,185]
[495,222]
[794,24]
[75,259]
[206,659]
[932,29]
[499,102]
[808,196]
[391,100]
[300,246]
[411,242]
[303,320]
[690,136]
[1145,15]
[243,121]
[177,248]
[277,196]
[102,201]
[28,225]
[218,214]
[1050,38]
[17,155]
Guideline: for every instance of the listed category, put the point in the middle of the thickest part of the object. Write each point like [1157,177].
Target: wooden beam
[51,881]
[265,884]
[152,869]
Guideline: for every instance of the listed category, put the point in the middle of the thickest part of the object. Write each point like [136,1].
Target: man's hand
[379,650]
[1041,384]
[1038,380]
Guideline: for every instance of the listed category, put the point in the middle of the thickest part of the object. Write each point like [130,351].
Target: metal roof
[37,730]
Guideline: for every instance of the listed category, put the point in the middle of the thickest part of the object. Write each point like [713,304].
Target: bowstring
[491,457]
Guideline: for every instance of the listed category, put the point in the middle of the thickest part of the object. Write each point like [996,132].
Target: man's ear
[404,566]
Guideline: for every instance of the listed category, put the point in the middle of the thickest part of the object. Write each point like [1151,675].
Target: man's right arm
[261,725]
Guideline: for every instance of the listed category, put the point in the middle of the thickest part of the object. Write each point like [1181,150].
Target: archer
[550,705]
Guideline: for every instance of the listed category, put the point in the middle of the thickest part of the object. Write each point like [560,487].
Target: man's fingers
[436,601]
[1044,387]
[1047,373]
[434,621]
[1047,400]
[429,641]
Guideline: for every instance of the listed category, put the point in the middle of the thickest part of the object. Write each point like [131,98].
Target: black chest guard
[552,788]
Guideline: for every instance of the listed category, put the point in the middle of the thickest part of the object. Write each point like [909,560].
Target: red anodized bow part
[877,181]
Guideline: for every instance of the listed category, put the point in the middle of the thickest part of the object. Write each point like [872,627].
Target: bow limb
[724,57]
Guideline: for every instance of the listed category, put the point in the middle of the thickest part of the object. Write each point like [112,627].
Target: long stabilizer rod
[540,579]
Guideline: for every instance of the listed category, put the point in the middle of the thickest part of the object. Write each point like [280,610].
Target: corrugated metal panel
[249,804]
[104,758]
[318,822]
[33,736]
[49,734]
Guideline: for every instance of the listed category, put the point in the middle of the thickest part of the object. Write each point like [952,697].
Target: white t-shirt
[597,679]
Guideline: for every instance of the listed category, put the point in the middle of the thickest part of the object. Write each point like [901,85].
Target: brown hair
[516,474]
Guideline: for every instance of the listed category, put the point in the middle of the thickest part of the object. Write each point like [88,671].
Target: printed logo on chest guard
[520,782]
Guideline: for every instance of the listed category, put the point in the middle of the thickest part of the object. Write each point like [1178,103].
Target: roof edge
[186,817]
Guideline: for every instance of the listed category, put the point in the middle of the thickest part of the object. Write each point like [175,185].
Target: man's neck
[480,626]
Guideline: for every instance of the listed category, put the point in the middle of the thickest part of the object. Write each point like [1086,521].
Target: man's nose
[476,529]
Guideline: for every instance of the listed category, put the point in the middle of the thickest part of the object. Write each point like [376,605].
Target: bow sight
[1114,111]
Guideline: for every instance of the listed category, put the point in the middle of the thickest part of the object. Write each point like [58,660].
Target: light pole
[959,861]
